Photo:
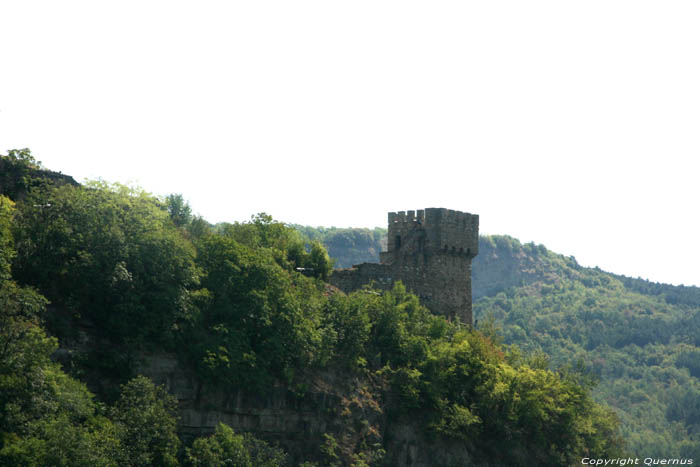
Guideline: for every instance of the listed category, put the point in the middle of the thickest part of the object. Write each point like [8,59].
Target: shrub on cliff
[225,447]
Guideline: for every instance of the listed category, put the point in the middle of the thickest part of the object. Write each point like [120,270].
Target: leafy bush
[146,415]
[225,447]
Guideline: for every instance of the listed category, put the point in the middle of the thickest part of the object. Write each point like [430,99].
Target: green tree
[225,447]
[319,261]
[146,416]
[260,321]
[179,210]
[7,252]
[24,157]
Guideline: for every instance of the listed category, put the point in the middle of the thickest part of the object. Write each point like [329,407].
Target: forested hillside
[638,340]
[105,288]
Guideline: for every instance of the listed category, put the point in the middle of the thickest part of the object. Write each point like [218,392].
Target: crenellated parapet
[439,229]
[452,231]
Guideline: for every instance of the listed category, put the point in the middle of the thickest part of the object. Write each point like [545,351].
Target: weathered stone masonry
[431,252]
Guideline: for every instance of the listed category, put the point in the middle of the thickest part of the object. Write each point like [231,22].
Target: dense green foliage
[16,170]
[107,254]
[148,416]
[259,319]
[225,447]
[642,347]
[471,389]
[245,307]
[7,251]
[47,417]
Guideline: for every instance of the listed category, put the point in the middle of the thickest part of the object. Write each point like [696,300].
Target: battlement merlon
[444,230]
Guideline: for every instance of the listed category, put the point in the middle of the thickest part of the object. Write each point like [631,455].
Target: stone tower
[431,252]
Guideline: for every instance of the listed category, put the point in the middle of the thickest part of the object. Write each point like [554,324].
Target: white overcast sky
[572,124]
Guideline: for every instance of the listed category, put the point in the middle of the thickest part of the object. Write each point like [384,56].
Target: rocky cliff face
[497,268]
[504,262]
[337,417]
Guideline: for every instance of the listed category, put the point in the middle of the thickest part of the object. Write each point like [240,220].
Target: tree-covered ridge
[677,294]
[642,348]
[245,307]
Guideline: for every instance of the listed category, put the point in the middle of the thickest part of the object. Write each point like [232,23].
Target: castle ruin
[431,252]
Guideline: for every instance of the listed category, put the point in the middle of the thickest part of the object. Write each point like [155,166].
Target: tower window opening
[398,241]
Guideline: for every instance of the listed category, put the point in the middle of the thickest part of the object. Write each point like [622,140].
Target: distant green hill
[348,246]
[639,339]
